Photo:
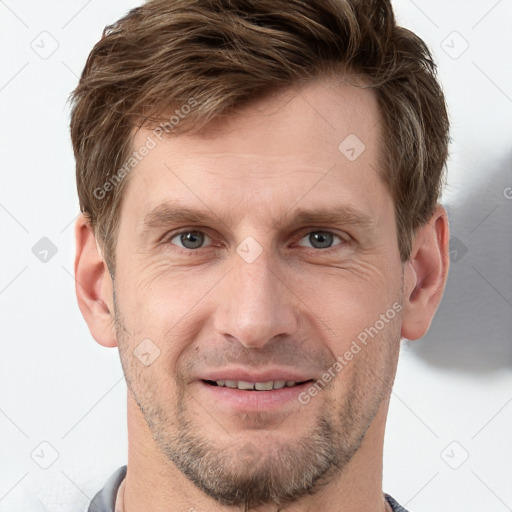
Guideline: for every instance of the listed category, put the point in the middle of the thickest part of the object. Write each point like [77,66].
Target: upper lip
[266,375]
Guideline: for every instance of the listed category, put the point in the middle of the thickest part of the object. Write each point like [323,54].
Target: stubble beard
[240,474]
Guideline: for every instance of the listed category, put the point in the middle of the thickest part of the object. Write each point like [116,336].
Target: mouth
[237,396]
[255,386]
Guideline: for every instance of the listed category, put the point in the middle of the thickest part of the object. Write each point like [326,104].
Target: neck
[154,483]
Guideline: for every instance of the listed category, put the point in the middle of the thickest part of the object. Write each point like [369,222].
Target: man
[260,227]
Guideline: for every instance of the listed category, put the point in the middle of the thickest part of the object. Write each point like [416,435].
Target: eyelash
[167,240]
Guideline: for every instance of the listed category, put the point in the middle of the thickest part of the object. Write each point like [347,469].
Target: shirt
[105,500]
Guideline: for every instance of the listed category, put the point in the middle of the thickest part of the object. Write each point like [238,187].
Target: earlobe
[425,275]
[93,285]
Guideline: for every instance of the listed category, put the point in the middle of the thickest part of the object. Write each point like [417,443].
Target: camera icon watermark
[249,454]
[457,249]
[351,147]
[455,455]
[454,45]
[45,45]
[249,249]
[44,250]
[44,455]
[146,352]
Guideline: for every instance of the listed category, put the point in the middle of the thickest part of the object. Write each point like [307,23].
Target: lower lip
[251,400]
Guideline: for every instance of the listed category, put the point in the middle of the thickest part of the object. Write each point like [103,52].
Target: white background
[453,392]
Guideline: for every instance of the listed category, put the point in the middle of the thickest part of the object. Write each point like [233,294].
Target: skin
[294,306]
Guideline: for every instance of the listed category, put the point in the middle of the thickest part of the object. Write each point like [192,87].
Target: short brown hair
[224,54]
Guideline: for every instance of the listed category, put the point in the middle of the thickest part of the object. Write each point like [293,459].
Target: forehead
[317,143]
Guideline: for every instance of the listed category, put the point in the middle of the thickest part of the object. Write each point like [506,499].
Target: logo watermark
[151,142]
[342,360]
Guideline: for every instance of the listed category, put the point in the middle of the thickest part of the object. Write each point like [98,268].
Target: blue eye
[195,239]
[321,239]
[190,239]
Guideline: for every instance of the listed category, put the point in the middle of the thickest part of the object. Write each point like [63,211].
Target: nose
[255,305]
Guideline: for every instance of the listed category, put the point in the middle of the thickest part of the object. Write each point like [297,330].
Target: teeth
[245,385]
[263,386]
[260,386]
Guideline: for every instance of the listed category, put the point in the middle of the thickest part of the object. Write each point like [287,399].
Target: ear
[425,275]
[93,285]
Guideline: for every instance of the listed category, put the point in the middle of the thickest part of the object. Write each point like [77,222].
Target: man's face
[255,293]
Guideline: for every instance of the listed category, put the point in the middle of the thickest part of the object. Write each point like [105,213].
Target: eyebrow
[343,215]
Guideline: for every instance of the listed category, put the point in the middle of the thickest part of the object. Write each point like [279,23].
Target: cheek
[159,294]
[359,308]
[164,306]
[347,299]
[160,299]
[149,361]
[366,360]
